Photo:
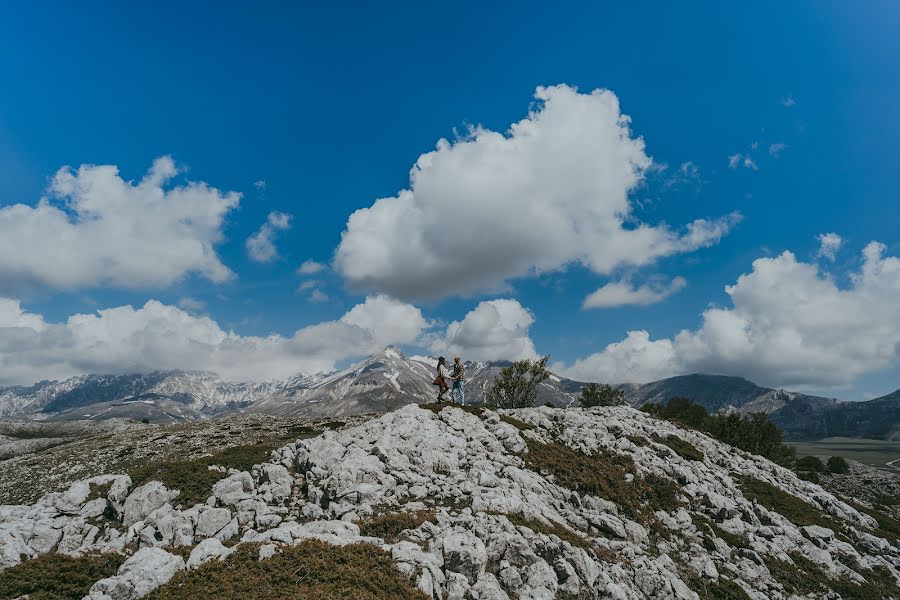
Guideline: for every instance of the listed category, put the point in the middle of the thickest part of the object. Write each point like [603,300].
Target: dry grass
[559,531]
[390,526]
[681,447]
[806,577]
[312,570]
[603,474]
[789,506]
[57,576]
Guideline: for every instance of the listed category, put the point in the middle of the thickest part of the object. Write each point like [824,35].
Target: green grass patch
[312,570]
[789,506]
[57,576]
[390,526]
[194,479]
[603,474]
[681,447]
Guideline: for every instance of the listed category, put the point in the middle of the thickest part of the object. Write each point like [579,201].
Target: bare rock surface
[503,527]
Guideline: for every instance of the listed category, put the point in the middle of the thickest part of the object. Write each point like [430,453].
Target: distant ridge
[390,379]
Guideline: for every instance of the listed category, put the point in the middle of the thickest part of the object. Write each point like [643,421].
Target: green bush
[755,433]
[594,394]
[516,386]
[810,463]
[680,410]
[837,464]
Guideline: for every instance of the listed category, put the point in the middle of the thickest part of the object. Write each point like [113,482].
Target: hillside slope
[533,503]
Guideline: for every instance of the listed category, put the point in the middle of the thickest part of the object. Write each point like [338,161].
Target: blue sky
[330,105]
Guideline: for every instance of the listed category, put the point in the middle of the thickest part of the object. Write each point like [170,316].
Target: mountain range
[391,379]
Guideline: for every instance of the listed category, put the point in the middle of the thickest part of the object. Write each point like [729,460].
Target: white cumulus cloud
[261,245]
[624,293]
[94,228]
[158,336]
[493,330]
[310,267]
[551,191]
[790,324]
[829,244]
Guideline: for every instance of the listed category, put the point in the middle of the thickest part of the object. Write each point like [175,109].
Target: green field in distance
[877,453]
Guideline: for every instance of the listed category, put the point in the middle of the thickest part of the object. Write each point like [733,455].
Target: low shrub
[312,570]
[389,526]
[812,464]
[837,464]
[57,576]
[754,433]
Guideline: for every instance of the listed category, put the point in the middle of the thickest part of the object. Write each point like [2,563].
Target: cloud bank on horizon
[554,191]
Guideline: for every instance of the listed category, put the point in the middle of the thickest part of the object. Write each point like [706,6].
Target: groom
[458,375]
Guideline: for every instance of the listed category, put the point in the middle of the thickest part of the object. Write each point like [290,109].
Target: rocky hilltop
[458,504]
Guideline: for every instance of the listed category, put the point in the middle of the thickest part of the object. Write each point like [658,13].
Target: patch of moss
[604,474]
[789,506]
[682,448]
[57,576]
[312,570]
[390,526]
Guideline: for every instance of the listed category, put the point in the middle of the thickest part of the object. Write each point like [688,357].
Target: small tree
[594,394]
[837,464]
[516,386]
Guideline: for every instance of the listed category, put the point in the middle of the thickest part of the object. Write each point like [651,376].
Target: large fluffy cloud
[158,336]
[790,324]
[95,228]
[490,207]
[493,330]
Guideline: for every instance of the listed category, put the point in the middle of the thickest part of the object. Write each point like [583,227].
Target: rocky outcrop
[504,525]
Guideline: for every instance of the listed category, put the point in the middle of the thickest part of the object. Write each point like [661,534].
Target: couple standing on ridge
[458,376]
